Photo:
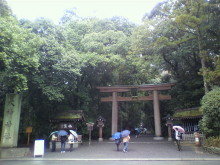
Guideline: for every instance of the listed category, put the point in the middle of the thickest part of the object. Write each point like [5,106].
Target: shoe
[124,150]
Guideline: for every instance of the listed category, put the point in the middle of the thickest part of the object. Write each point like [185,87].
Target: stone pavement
[141,148]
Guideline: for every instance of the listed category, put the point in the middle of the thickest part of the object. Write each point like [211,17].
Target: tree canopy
[58,67]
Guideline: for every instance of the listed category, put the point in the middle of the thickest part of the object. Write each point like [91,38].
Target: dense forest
[59,67]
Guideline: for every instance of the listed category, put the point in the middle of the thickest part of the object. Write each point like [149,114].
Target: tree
[18,55]
[175,35]
[58,67]
[5,11]
[212,74]
[106,43]
[196,20]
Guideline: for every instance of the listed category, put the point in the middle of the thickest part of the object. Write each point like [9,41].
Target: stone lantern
[169,124]
[90,128]
[100,123]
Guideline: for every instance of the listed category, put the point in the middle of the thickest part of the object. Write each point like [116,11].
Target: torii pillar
[157,121]
[114,113]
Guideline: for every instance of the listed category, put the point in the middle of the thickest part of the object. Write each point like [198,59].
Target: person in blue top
[63,143]
[118,142]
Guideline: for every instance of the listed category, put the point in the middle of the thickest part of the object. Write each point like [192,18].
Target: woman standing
[53,140]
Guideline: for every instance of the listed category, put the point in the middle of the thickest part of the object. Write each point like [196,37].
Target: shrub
[210,105]
[212,142]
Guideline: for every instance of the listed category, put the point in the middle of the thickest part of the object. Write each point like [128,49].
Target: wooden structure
[188,118]
[68,120]
[153,94]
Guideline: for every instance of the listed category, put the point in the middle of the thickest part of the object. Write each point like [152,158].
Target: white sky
[54,9]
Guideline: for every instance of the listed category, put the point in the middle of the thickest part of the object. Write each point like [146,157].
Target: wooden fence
[190,137]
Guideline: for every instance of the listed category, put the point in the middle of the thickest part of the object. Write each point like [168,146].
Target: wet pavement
[141,148]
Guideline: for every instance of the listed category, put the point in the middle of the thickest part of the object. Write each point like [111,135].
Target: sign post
[28,131]
[90,128]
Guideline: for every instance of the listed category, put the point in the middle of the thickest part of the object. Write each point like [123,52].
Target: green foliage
[61,65]
[212,142]
[188,113]
[18,50]
[106,43]
[4,9]
[211,113]
[212,74]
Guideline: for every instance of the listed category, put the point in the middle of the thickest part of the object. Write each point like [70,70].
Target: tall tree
[18,55]
[196,22]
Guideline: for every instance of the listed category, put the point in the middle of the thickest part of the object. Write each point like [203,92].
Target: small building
[68,120]
[188,118]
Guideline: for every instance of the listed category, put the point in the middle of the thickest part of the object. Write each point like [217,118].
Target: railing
[190,137]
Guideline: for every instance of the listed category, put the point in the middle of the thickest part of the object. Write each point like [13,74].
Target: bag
[180,135]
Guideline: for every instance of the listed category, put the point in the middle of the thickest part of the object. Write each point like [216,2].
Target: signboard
[29,130]
[39,148]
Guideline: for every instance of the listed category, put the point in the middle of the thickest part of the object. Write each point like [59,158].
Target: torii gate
[149,87]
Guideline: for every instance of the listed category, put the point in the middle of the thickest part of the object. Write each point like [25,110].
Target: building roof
[70,115]
[190,113]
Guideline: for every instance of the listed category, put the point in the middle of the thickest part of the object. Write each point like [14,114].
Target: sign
[29,130]
[39,148]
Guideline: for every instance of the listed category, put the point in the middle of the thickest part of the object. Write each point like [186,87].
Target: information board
[39,148]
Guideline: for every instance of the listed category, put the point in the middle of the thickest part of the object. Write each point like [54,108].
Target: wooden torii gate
[155,96]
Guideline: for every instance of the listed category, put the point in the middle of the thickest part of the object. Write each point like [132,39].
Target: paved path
[142,148]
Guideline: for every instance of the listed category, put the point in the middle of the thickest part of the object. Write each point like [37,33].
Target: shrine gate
[154,95]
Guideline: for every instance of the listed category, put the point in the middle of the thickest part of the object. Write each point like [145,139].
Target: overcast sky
[54,9]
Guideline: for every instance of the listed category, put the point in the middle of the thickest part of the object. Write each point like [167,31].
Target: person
[53,140]
[144,131]
[63,143]
[137,132]
[118,142]
[126,141]
[178,137]
[71,141]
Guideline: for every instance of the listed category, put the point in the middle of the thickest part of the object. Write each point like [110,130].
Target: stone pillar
[114,113]
[157,121]
[11,120]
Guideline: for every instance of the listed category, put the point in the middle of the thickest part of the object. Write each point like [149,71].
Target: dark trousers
[117,146]
[63,146]
[71,147]
[117,142]
[178,145]
[53,146]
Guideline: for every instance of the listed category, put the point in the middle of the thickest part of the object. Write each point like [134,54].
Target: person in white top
[126,141]
[178,138]
[53,140]
[71,141]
